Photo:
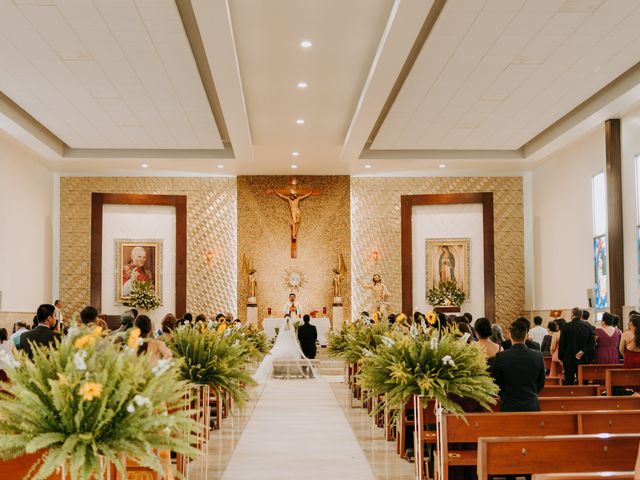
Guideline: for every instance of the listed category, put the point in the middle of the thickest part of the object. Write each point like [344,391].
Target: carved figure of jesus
[294,206]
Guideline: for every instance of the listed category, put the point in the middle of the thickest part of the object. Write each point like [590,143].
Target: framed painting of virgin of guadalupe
[448,260]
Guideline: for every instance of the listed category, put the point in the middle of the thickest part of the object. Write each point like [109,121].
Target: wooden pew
[406,421]
[618,421]
[584,476]
[425,415]
[452,429]
[572,404]
[593,373]
[570,391]
[624,377]
[552,381]
[18,468]
[523,455]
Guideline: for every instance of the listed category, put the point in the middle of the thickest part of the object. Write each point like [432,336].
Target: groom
[307,334]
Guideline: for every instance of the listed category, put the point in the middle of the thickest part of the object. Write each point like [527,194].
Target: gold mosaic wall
[264,236]
[211,225]
[376,226]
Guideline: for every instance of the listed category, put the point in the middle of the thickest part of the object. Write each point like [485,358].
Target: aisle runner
[298,431]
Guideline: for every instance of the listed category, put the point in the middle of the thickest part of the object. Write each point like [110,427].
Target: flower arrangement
[257,338]
[445,294]
[143,296]
[89,398]
[356,340]
[214,359]
[437,365]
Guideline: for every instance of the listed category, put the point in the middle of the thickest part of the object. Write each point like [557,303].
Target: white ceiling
[118,83]
[494,74]
[105,73]
[345,35]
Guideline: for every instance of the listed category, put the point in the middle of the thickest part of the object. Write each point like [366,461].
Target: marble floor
[300,429]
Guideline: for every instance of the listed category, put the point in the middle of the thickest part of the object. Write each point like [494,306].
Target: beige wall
[264,236]
[26,210]
[211,225]
[376,226]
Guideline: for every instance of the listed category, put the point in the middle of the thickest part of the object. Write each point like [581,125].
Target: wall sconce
[375,255]
[209,257]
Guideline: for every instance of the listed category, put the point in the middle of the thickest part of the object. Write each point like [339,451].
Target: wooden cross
[294,194]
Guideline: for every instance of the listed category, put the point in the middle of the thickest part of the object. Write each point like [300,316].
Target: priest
[292,307]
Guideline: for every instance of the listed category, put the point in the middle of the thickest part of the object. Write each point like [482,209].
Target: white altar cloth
[322,324]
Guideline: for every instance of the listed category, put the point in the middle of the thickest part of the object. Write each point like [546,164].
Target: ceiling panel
[106,74]
[493,74]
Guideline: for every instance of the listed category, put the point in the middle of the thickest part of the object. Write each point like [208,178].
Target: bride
[286,347]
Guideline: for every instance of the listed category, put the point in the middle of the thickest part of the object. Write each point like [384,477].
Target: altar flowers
[73,401]
[436,364]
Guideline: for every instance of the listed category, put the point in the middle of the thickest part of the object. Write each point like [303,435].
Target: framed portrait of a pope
[448,260]
[137,261]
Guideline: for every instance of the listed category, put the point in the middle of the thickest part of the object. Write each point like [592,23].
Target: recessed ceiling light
[302,85]
[295,154]
[306,44]
[220,166]
[442,165]
[300,121]
[294,166]
[144,165]
[367,166]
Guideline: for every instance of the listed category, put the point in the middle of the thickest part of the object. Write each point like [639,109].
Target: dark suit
[576,336]
[41,335]
[529,343]
[519,372]
[307,334]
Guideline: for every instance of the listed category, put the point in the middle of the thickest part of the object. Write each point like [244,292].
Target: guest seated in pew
[497,336]
[7,350]
[519,372]
[577,345]
[528,342]
[607,341]
[155,349]
[168,325]
[19,329]
[630,343]
[538,332]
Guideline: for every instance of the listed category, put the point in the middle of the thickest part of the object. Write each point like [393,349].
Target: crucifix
[294,194]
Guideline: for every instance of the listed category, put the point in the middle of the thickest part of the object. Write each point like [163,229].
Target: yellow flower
[432,318]
[96,332]
[222,327]
[84,341]
[376,317]
[90,390]
[401,318]
[63,379]
[133,338]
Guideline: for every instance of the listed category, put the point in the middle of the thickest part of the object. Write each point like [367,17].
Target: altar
[322,324]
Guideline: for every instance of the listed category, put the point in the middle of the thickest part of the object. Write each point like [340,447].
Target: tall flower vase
[107,471]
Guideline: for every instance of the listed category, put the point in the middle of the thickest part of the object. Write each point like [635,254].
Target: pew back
[584,476]
[623,377]
[594,373]
[572,404]
[18,468]
[590,453]
[570,391]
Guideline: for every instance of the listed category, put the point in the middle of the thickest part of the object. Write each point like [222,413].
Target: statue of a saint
[338,273]
[379,295]
[252,284]
[294,206]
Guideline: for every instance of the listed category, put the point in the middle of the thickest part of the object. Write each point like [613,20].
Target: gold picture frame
[137,260]
[447,259]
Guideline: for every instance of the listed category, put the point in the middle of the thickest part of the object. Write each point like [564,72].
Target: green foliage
[355,340]
[143,296]
[436,365]
[88,397]
[214,359]
[446,293]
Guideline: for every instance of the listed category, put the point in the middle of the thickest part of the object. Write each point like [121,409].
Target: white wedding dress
[286,347]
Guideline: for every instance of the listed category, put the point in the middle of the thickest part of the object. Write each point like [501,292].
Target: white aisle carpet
[298,431]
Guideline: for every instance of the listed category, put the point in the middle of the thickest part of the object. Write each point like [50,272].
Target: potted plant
[446,297]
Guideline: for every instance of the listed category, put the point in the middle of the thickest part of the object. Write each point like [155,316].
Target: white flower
[78,360]
[388,341]
[141,401]
[161,367]
[465,337]
[140,342]
[167,431]
[447,360]
[434,343]
[367,353]
[131,408]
